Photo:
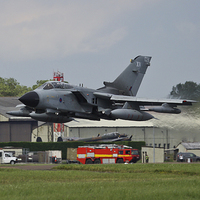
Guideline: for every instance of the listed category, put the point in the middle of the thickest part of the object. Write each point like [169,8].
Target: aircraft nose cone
[30,99]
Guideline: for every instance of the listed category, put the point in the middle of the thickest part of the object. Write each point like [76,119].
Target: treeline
[9,87]
[188,90]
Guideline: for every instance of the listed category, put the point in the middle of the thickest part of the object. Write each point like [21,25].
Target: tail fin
[128,82]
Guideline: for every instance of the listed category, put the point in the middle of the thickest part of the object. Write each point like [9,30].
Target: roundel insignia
[60,100]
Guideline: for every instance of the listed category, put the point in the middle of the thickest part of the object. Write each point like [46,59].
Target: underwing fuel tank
[50,117]
[20,113]
[129,114]
[165,108]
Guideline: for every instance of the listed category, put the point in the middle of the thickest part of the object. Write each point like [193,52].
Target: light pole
[153,145]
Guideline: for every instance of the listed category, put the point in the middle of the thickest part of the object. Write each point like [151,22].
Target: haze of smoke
[187,119]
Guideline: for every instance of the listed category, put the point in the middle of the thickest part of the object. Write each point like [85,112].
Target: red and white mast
[58,128]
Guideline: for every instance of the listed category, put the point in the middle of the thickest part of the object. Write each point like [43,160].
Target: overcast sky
[93,41]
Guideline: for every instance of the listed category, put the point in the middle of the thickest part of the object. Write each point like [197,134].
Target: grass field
[117,181]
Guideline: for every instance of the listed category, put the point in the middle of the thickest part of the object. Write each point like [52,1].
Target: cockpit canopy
[55,85]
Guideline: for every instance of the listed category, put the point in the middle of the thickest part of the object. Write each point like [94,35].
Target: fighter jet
[61,102]
[107,137]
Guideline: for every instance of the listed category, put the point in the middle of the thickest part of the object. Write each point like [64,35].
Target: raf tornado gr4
[60,102]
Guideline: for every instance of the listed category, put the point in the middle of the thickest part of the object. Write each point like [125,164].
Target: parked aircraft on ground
[60,102]
[107,137]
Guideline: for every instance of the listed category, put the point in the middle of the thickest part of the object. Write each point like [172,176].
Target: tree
[20,90]
[10,87]
[188,90]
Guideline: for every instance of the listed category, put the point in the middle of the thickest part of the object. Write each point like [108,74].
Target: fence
[40,157]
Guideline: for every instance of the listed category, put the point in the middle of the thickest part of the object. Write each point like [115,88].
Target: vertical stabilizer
[128,82]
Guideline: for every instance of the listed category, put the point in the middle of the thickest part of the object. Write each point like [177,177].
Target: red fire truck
[109,153]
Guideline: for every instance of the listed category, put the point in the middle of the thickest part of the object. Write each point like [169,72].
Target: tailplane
[128,82]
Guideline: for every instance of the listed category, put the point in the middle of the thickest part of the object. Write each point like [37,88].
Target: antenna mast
[58,128]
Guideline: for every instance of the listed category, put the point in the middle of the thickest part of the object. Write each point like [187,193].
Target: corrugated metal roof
[192,145]
[8,104]
[9,101]
[108,123]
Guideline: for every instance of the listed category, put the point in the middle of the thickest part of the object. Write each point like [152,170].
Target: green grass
[118,181]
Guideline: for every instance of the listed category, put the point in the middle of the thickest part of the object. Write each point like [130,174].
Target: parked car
[184,156]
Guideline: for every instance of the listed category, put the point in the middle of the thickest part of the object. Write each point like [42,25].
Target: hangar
[164,131]
[14,129]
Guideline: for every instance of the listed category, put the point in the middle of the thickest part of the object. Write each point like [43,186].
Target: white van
[7,158]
